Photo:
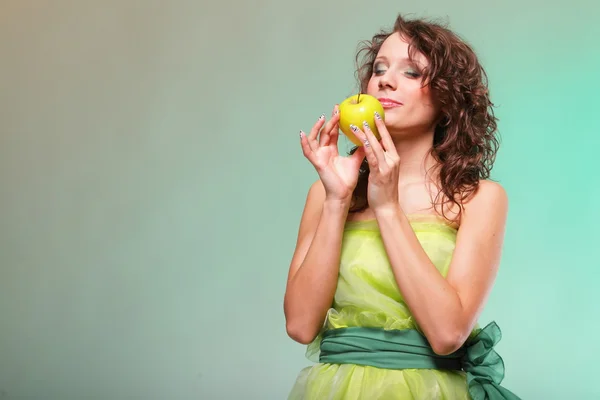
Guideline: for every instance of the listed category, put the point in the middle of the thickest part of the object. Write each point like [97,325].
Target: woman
[399,243]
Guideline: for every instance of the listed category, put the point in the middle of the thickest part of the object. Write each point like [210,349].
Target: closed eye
[378,69]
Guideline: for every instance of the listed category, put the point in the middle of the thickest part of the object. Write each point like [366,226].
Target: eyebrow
[384,58]
[414,63]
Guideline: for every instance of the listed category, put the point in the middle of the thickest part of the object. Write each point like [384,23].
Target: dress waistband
[404,349]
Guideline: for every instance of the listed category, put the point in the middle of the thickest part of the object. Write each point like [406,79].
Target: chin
[393,123]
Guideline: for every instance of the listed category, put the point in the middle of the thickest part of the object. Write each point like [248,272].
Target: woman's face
[396,81]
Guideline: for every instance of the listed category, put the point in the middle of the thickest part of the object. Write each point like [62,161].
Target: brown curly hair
[465,141]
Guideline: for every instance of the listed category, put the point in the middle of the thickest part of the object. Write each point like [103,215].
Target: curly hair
[465,141]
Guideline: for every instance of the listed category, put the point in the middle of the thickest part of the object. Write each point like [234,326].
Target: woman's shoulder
[316,195]
[488,194]
[487,205]
[489,197]
[317,189]
[313,204]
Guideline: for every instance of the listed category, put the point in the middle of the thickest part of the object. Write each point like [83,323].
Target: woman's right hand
[338,174]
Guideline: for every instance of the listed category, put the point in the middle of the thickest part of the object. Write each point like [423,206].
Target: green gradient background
[152,183]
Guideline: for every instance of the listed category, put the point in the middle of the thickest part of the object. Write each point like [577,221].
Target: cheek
[422,107]
[423,97]
[372,86]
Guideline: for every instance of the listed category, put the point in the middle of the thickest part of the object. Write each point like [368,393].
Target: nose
[387,81]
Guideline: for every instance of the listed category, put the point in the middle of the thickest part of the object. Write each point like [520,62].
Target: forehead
[395,48]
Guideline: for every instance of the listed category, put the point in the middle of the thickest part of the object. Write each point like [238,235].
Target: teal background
[152,182]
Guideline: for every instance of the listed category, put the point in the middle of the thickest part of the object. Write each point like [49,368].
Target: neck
[415,158]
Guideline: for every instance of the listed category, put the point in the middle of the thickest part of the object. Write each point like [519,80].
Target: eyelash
[411,74]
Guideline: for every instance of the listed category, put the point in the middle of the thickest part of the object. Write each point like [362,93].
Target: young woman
[400,242]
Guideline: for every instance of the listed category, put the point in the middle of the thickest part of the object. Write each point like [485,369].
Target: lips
[389,103]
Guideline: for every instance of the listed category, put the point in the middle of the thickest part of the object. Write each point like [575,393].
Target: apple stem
[358,98]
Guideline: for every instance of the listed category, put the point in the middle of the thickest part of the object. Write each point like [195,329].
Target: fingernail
[336,112]
[301,134]
[365,124]
[322,116]
[377,115]
[353,127]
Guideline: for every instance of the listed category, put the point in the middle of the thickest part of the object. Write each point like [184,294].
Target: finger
[371,157]
[314,132]
[328,128]
[306,149]
[374,144]
[334,139]
[386,139]
[334,131]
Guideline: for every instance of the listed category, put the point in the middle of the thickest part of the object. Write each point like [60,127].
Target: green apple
[355,110]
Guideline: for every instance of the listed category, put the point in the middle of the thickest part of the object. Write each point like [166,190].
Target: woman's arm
[314,268]
[447,309]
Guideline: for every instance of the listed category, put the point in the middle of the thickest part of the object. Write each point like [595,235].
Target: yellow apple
[356,109]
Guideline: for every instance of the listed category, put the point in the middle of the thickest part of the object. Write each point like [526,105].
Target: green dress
[367,295]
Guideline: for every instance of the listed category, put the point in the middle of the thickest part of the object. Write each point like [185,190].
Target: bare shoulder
[490,198]
[490,190]
[486,210]
[312,207]
[317,189]
[315,198]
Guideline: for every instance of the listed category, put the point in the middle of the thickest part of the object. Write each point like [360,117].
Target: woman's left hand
[384,166]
